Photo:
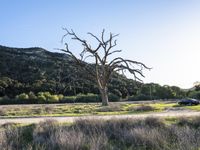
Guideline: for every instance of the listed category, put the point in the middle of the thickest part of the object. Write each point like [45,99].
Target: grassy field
[122,134]
[88,109]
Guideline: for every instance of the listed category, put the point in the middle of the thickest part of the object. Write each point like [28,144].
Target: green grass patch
[197,107]
[86,109]
[163,106]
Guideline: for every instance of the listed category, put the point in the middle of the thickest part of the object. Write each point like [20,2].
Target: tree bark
[104,96]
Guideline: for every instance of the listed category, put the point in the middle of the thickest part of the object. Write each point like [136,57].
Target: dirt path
[176,113]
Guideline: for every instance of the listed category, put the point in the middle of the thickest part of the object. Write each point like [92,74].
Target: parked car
[188,102]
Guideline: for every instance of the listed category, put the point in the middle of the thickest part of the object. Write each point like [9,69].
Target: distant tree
[95,61]
[10,87]
[197,85]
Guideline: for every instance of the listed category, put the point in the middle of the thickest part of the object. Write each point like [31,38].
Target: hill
[36,69]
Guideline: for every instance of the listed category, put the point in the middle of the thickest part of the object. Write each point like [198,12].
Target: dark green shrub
[32,96]
[113,98]
[68,99]
[194,94]
[153,122]
[87,98]
[110,108]
[132,98]
[41,99]
[144,108]
[183,121]
[140,97]
[7,100]
[191,122]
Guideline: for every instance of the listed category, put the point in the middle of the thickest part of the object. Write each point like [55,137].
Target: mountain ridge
[38,69]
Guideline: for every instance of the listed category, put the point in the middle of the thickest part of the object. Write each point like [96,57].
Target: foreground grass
[86,109]
[123,134]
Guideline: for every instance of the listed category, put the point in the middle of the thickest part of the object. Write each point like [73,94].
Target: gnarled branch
[100,69]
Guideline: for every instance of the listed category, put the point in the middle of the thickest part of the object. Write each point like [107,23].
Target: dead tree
[99,66]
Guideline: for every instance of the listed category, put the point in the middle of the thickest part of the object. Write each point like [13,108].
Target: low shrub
[60,96]
[45,128]
[53,99]
[6,100]
[110,108]
[32,96]
[94,134]
[153,122]
[22,96]
[88,98]
[141,108]
[41,99]
[113,98]
[139,97]
[182,121]
[68,99]
[194,94]
[193,122]
[47,97]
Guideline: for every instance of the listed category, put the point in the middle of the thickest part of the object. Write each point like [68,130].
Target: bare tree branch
[100,69]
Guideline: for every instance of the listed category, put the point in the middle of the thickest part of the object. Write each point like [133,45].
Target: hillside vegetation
[37,70]
[45,77]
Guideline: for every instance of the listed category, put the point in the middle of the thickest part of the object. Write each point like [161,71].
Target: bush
[193,122]
[22,96]
[60,96]
[153,122]
[113,98]
[141,108]
[132,98]
[41,99]
[32,96]
[7,100]
[96,134]
[53,98]
[194,94]
[87,98]
[47,97]
[68,99]
[139,97]
[110,108]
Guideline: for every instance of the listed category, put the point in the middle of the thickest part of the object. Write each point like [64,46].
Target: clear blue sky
[164,34]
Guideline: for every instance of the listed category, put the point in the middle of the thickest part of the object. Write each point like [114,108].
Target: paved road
[177,113]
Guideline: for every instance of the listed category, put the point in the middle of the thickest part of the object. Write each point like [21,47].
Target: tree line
[119,89]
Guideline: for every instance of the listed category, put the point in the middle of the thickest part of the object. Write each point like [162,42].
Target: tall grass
[92,134]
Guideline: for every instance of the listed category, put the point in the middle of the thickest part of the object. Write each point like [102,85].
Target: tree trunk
[104,97]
